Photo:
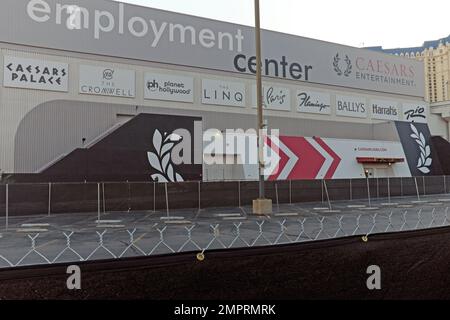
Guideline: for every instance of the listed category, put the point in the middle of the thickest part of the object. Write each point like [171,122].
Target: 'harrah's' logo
[345,70]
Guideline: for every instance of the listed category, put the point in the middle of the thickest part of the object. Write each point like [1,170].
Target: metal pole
[445,185]
[276,193]
[199,197]
[259,94]
[239,191]
[167,199]
[49,198]
[351,190]
[290,191]
[368,191]
[103,196]
[7,208]
[389,190]
[98,201]
[154,196]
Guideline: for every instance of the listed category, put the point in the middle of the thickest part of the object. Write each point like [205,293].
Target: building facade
[100,90]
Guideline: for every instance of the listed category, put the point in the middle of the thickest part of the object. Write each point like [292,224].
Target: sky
[387,23]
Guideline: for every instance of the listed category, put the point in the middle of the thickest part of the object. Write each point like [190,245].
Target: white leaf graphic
[154,161]
[414,136]
[419,162]
[422,157]
[170,173]
[424,170]
[165,162]
[159,177]
[179,178]
[414,129]
[157,140]
[428,162]
[427,151]
[422,150]
[422,139]
[166,147]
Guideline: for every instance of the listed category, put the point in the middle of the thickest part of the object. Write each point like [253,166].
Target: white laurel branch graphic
[160,160]
[425,160]
[348,71]
[336,65]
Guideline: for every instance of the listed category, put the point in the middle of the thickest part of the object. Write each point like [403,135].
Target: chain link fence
[71,246]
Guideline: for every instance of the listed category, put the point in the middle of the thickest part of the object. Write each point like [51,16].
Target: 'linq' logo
[337,67]
[108,74]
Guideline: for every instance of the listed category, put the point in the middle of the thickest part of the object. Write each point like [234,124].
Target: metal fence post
[276,194]
[167,199]
[239,193]
[98,202]
[445,184]
[368,191]
[154,196]
[49,198]
[290,191]
[423,182]
[378,189]
[401,186]
[389,190]
[103,196]
[7,208]
[351,190]
[199,196]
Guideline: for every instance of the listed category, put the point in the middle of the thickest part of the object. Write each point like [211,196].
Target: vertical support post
[167,199]
[154,196]
[290,191]
[401,186]
[98,202]
[378,188]
[7,208]
[129,196]
[445,184]
[321,186]
[104,197]
[368,191]
[389,190]
[328,196]
[417,189]
[276,194]
[199,197]
[351,190]
[49,199]
[259,96]
[423,183]
[239,193]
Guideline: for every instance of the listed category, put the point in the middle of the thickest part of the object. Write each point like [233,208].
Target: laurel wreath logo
[160,160]
[425,160]
[338,69]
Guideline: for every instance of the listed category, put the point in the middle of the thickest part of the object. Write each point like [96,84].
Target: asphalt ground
[43,239]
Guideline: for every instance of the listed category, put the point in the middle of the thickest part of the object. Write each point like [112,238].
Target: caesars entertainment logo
[342,70]
[377,71]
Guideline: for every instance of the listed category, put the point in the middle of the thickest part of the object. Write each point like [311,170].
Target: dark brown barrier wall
[414,265]
[42,198]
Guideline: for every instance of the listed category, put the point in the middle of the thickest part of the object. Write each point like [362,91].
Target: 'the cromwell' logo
[337,67]
[108,74]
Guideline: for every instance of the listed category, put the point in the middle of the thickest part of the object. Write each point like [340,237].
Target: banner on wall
[274,98]
[107,81]
[35,74]
[168,87]
[415,112]
[224,93]
[313,102]
[351,106]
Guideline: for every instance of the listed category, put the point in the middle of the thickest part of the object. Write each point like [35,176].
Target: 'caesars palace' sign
[117,29]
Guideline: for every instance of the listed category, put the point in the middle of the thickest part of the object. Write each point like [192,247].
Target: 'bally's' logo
[108,74]
[337,67]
